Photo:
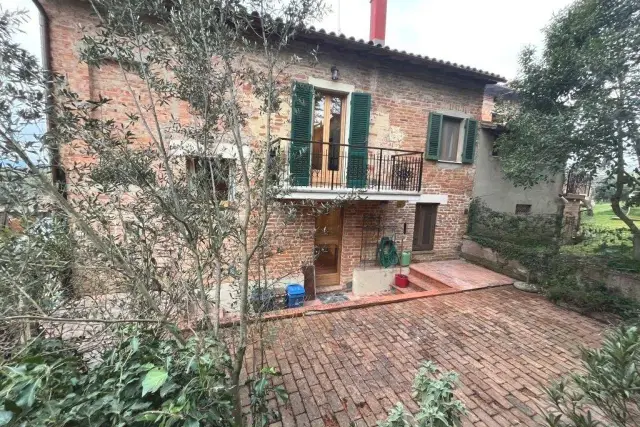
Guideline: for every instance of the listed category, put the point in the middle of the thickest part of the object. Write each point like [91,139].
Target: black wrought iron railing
[326,165]
[577,182]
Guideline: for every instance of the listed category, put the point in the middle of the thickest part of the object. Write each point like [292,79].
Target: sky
[485,34]
[29,38]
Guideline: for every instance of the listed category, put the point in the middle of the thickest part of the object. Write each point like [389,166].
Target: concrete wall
[499,194]
[375,281]
[487,257]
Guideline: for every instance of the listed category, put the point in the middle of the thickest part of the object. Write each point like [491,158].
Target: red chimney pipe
[378,24]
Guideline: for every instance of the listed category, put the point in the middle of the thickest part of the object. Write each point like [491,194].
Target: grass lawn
[604,217]
[606,236]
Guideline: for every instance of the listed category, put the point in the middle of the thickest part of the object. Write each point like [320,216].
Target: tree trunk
[636,247]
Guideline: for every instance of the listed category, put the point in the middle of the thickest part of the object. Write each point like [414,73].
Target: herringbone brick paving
[350,367]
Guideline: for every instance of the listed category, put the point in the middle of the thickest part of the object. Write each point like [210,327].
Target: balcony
[326,170]
[577,185]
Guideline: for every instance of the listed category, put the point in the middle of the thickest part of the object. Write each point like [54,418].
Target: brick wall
[403,94]
[488,107]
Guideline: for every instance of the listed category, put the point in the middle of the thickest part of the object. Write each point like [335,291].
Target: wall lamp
[335,73]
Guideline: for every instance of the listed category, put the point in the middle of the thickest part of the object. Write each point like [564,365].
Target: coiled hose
[387,253]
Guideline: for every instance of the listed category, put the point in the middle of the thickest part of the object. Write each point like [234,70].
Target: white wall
[499,194]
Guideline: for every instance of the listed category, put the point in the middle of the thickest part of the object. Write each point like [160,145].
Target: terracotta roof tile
[341,37]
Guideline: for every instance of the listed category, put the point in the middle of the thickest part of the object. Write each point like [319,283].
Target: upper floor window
[212,173]
[451,139]
[522,209]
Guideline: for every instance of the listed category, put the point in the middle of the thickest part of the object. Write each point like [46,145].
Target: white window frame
[344,89]
[231,186]
[223,150]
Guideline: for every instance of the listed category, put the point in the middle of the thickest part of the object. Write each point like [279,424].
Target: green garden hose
[387,253]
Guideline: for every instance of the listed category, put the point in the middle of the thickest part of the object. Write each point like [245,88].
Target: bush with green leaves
[433,390]
[143,381]
[260,388]
[591,297]
[609,386]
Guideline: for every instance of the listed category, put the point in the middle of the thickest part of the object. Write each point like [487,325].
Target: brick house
[399,128]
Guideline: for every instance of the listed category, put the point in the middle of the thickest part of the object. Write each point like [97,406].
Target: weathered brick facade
[403,95]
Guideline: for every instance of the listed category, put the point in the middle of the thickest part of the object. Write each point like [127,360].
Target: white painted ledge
[298,193]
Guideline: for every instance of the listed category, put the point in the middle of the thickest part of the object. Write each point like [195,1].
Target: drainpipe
[58,176]
[57,173]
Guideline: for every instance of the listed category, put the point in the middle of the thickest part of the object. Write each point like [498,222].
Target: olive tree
[158,241]
[579,101]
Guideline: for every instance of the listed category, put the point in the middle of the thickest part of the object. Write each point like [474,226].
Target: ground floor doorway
[328,248]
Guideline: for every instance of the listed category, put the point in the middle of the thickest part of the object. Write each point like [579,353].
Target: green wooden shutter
[301,121]
[358,140]
[432,151]
[470,133]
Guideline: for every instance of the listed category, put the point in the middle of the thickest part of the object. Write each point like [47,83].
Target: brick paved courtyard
[353,366]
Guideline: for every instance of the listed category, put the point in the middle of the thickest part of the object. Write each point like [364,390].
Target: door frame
[330,279]
[327,177]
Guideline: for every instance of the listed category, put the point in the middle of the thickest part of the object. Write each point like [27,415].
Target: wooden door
[328,248]
[424,228]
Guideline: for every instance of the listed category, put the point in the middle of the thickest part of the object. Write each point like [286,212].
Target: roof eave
[462,70]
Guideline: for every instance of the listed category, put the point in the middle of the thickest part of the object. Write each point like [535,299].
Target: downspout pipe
[57,173]
[58,176]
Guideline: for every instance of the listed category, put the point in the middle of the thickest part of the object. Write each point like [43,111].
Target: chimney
[378,25]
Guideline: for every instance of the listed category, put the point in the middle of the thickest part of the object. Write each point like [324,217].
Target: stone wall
[487,257]
[626,283]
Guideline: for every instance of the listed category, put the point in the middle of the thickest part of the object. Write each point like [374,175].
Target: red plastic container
[402,280]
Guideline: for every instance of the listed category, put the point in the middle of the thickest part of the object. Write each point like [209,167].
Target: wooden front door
[328,134]
[328,246]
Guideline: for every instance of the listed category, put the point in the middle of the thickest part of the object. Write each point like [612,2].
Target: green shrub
[611,247]
[433,389]
[559,270]
[610,384]
[524,230]
[143,381]
[592,297]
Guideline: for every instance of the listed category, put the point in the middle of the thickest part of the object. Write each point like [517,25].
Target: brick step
[408,290]
[419,283]
[417,272]
[425,282]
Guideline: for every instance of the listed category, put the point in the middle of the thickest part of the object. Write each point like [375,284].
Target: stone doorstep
[349,305]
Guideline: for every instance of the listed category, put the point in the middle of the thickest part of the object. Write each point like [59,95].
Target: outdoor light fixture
[335,74]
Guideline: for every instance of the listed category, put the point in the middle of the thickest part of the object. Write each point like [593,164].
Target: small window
[424,228]
[450,139]
[523,209]
[213,173]
[495,149]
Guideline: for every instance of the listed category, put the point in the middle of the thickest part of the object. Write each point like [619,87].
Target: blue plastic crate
[295,296]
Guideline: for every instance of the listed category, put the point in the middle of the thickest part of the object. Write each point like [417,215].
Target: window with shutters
[212,173]
[424,226]
[522,209]
[451,139]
